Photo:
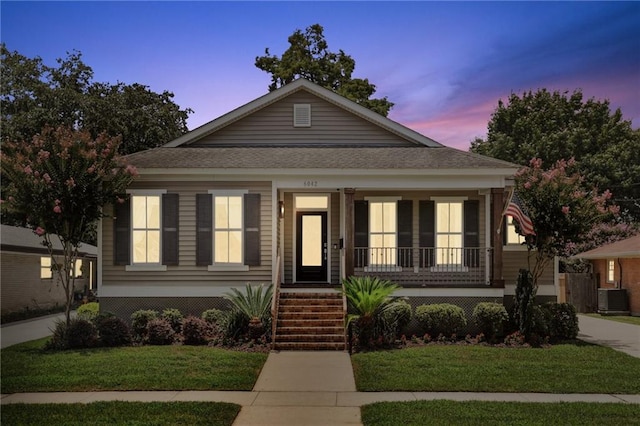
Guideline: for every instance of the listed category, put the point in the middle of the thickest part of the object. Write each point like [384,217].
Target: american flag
[519,213]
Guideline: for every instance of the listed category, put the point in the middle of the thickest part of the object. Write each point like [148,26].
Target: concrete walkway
[619,336]
[27,330]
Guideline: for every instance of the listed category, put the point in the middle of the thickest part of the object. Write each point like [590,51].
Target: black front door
[311,246]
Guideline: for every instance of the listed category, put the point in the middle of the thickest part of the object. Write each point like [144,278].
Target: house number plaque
[310,183]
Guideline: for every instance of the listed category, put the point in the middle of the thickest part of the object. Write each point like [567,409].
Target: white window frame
[611,271]
[76,271]
[511,234]
[149,266]
[227,266]
[46,268]
[449,267]
[391,266]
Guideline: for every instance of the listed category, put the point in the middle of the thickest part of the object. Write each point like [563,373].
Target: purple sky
[444,64]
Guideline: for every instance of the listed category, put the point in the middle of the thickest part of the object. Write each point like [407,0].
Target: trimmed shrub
[139,321]
[442,318]
[195,331]
[81,334]
[563,323]
[234,324]
[397,314]
[113,331]
[160,332]
[490,317]
[174,317]
[88,311]
[540,325]
[213,316]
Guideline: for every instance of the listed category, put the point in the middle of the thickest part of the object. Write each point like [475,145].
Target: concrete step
[317,338]
[309,346]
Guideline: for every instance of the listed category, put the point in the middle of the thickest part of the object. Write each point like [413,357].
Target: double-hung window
[382,232]
[449,237]
[227,232]
[511,235]
[45,268]
[611,271]
[145,225]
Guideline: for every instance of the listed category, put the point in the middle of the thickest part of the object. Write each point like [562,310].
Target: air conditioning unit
[613,300]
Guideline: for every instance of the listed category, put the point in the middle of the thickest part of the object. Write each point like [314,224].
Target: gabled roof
[625,248]
[23,239]
[283,92]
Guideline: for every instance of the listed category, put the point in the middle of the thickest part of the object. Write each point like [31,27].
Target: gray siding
[330,125]
[186,272]
[513,261]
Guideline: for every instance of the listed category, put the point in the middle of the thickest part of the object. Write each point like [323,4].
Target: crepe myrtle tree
[562,211]
[58,184]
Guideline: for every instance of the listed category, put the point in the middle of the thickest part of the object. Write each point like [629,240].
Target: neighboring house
[305,187]
[617,266]
[28,281]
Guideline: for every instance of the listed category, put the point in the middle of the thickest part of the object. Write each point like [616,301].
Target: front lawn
[568,368]
[484,413]
[27,368]
[121,413]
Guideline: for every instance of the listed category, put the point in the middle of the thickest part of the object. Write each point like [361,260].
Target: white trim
[294,227]
[387,199]
[275,236]
[450,292]
[488,235]
[228,192]
[147,267]
[226,266]
[448,199]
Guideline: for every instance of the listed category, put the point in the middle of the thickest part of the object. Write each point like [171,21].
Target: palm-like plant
[255,304]
[368,297]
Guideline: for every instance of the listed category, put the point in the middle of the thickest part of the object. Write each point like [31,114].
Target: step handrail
[275,300]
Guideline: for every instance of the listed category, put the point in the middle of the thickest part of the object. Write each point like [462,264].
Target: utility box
[613,301]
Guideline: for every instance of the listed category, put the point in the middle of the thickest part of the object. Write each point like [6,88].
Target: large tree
[34,95]
[59,182]
[309,57]
[559,125]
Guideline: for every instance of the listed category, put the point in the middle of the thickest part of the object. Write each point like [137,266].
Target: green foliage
[490,317]
[174,317]
[160,332]
[441,318]
[367,299]
[309,57]
[88,311]
[213,316]
[195,331]
[524,300]
[559,126]
[234,324]
[397,315]
[563,321]
[254,305]
[113,331]
[139,321]
[34,95]
[76,334]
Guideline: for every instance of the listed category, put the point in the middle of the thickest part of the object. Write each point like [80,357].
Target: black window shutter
[405,233]
[204,231]
[426,232]
[122,233]
[170,229]
[252,229]
[471,233]
[361,233]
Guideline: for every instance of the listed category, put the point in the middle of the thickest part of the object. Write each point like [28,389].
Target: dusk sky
[444,64]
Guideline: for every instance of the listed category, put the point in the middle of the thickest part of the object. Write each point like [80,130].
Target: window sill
[224,268]
[145,268]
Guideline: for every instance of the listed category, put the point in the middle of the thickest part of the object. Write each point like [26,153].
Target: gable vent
[302,115]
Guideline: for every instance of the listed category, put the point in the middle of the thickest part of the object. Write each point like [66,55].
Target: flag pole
[504,209]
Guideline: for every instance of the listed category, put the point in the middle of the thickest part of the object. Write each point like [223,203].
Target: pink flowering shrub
[563,214]
[58,183]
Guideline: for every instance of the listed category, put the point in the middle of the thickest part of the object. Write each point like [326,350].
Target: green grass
[27,368]
[617,318]
[121,413]
[565,368]
[499,413]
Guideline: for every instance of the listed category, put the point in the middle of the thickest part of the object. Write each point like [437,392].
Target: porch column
[497,194]
[348,231]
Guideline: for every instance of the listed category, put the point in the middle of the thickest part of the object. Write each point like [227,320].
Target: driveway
[604,332]
[32,329]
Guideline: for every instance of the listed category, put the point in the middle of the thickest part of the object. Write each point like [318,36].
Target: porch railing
[421,266]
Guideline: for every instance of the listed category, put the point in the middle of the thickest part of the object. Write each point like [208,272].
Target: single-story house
[303,187]
[617,266]
[28,281]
